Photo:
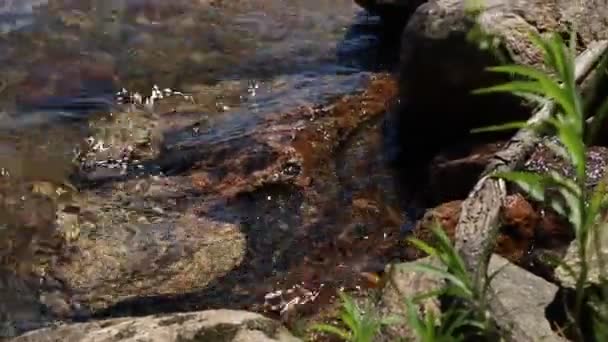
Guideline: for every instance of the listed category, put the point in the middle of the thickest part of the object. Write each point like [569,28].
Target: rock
[523,295]
[20,309]
[212,325]
[391,11]
[568,272]
[454,170]
[544,159]
[403,282]
[58,86]
[206,222]
[439,61]
[520,222]
[526,225]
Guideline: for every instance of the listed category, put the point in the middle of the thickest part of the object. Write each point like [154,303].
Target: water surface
[71,70]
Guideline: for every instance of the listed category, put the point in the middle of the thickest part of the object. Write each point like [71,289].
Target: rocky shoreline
[172,236]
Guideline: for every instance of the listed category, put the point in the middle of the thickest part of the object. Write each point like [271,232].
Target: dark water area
[122,123]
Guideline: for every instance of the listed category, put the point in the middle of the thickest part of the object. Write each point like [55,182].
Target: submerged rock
[205,219]
[213,325]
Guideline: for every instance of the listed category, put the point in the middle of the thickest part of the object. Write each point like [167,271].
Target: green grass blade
[423,246]
[445,275]
[576,149]
[512,87]
[330,329]
[533,184]
[504,127]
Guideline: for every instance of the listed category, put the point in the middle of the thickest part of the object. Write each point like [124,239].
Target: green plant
[569,197]
[360,325]
[451,326]
[467,313]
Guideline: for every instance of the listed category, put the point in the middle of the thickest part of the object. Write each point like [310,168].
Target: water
[76,76]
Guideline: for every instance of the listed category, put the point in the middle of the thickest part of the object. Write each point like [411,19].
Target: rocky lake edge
[425,112]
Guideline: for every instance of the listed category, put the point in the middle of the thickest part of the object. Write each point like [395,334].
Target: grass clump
[358,324]
[581,205]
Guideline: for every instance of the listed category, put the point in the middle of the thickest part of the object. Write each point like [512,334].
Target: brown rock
[519,218]
[516,235]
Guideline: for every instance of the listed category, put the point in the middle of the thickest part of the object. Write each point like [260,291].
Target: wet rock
[71,84]
[207,219]
[213,325]
[392,11]
[20,309]
[523,295]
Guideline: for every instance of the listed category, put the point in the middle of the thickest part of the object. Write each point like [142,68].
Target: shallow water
[66,59]
[72,69]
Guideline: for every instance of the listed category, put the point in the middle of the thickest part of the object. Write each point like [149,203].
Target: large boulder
[212,325]
[442,61]
[391,11]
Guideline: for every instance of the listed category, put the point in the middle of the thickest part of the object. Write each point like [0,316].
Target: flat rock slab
[525,297]
[212,325]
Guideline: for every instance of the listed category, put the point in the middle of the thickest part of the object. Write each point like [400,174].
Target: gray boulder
[596,254]
[212,325]
[523,296]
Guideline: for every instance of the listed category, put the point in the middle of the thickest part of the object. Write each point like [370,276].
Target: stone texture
[524,296]
[392,11]
[441,64]
[521,225]
[212,325]
[597,254]
[402,283]
[199,222]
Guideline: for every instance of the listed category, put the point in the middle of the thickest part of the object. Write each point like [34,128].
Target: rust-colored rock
[209,220]
[519,217]
[446,215]
[516,235]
